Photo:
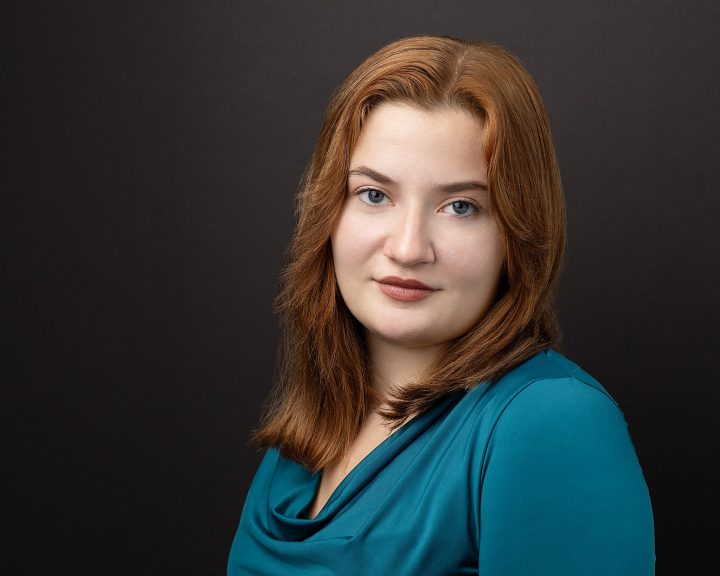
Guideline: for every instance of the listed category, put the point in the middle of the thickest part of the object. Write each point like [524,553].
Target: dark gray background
[150,152]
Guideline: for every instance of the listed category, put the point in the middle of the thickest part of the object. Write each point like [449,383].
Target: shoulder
[544,366]
[561,439]
[546,384]
[548,412]
[559,466]
[561,417]
[551,399]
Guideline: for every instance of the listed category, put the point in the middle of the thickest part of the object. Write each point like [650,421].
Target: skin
[413,228]
[416,208]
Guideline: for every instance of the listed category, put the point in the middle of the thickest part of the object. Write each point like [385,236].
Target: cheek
[353,242]
[349,245]
[476,259]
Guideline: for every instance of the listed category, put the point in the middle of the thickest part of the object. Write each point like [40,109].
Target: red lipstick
[404,289]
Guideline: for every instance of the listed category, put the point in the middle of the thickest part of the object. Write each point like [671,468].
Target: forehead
[437,141]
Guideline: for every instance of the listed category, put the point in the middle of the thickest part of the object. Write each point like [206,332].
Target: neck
[394,366]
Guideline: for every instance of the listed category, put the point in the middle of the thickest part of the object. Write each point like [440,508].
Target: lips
[404,289]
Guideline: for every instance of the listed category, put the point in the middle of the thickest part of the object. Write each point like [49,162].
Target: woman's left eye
[460,208]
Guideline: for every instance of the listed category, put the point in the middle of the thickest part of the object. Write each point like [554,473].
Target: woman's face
[417,253]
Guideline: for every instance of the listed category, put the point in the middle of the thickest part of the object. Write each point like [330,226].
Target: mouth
[404,289]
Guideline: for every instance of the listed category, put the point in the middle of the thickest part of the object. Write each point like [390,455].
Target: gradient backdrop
[150,152]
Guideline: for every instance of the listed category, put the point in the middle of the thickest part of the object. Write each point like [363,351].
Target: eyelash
[475,208]
[473,205]
[362,191]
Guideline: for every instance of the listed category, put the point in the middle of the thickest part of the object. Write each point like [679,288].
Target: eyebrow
[382,179]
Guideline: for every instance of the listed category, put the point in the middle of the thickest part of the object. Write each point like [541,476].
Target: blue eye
[372,196]
[460,208]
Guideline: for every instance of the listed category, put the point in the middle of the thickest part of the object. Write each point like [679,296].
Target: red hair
[323,393]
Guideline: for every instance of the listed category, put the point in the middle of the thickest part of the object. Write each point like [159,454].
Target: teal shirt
[534,474]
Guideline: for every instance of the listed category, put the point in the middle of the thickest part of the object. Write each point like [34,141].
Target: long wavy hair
[323,392]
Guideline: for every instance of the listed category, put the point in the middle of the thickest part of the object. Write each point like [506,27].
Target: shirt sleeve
[562,491]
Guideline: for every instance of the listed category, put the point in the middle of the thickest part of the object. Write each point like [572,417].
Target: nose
[408,241]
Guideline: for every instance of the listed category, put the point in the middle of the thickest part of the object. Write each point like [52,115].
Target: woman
[422,422]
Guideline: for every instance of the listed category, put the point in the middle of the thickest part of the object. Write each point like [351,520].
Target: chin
[408,338]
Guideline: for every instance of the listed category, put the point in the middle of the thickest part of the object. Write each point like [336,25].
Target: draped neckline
[292,488]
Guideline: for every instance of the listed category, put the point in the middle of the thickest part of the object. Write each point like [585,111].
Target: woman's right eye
[373,196]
